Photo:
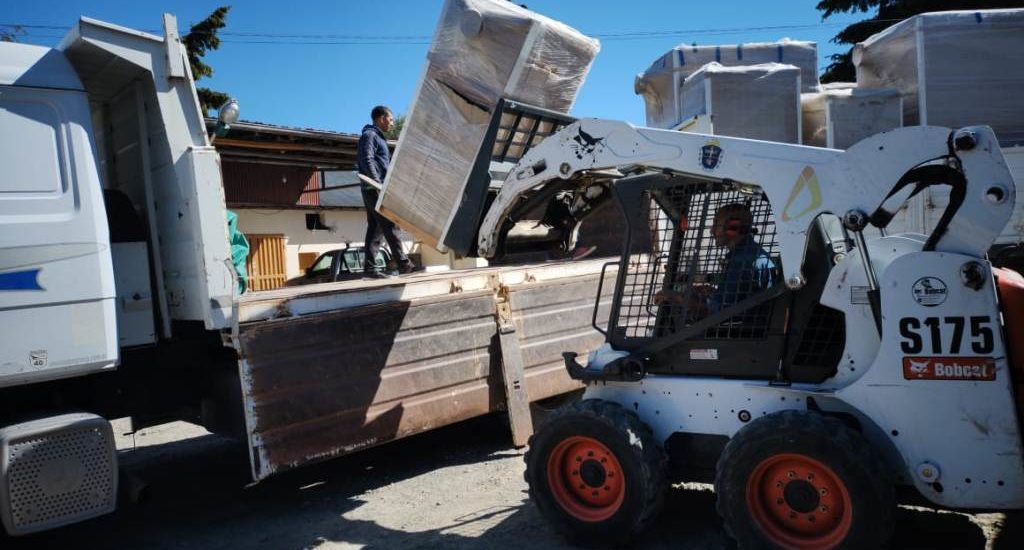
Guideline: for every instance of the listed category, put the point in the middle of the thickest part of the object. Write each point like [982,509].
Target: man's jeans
[376,227]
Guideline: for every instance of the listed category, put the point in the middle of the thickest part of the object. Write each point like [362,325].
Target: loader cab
[700,287]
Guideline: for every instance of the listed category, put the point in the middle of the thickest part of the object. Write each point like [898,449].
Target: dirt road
[458,487]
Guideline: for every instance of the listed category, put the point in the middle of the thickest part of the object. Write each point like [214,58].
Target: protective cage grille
[678,272]
[57,471]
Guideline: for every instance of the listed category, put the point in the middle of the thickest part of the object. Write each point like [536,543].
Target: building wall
[269,184]
[347,226]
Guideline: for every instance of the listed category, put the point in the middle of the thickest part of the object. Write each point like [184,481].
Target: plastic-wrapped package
[482,50]
[954,69]
[660,83]
[839,116]
[755,102]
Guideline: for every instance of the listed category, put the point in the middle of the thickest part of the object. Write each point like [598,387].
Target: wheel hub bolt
[824,508]
[791,475]
[823,491]
[810,519]
[778,484]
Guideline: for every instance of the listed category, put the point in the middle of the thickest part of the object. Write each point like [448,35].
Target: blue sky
[290,81]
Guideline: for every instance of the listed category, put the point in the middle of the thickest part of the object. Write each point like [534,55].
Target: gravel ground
[457,487]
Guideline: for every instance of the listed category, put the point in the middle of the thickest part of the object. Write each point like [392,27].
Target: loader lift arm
[871,178]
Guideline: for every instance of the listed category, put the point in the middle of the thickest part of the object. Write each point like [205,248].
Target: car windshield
[323,263]
[353,258]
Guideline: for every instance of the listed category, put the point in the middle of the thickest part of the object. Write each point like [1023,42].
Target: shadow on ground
[198,500]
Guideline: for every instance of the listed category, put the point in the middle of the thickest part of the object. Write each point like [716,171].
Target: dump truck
[118,298]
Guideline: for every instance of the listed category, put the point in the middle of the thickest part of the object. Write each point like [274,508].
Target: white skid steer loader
[765,333]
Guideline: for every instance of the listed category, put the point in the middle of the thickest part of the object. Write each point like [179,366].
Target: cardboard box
[660,83]
[482,50]
[839,116]
[755,102]
[954,69]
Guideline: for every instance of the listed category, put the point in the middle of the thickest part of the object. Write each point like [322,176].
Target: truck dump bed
[333,368]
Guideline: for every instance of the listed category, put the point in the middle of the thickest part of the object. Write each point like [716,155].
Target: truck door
[56,280]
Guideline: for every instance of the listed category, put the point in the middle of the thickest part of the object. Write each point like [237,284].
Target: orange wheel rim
[586,479]
[799,502]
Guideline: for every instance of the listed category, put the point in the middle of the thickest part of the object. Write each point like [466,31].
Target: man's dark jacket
[374,156]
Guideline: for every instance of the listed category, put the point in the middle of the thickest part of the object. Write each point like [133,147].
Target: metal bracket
[513,373]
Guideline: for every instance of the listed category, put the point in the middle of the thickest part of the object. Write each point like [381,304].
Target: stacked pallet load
[756,102]
[953,69]
[482,51]
[661,85]
[840,115]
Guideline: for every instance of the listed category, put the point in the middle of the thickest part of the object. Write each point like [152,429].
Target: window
[31,154]
[316,222]
[323,264]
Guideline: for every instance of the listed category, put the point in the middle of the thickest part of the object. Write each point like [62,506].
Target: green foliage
[889,12]
[10,33]
[211,99]
[396,127]
[202,38]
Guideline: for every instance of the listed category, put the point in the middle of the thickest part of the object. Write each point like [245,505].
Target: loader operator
[747,270]
[373,162]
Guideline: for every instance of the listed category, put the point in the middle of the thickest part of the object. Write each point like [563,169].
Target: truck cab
[114,257]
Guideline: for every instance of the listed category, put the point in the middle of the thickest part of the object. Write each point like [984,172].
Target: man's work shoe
[409,267]
[582,252]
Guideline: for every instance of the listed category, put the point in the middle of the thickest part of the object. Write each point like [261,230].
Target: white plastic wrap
[755,102]
[482,50]
[954,69]
[660,83]
[839,116]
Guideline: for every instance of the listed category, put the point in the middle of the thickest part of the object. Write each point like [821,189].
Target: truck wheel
[801,480]
[596,472]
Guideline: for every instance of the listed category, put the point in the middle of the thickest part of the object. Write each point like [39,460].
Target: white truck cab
[113,239]
[56,276]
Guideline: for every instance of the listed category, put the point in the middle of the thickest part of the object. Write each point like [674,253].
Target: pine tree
[10,33]
[202,38]
[396,127]
[889,12]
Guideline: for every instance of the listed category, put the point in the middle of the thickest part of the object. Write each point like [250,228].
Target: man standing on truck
[373,162]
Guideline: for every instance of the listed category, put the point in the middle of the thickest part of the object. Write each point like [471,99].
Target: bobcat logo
[586,144]
[929,291]
[919,367]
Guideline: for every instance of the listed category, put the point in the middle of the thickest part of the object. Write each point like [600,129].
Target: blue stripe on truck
[20,280]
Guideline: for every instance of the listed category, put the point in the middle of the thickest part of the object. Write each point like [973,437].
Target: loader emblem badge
[711,155]
[808,190]
[586,144]
[929,291]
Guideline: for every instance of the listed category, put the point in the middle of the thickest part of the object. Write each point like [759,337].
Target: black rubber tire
[830,442]
[541,410]
[640,457]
